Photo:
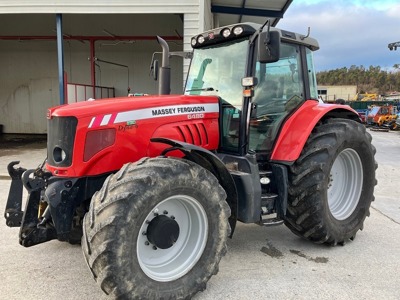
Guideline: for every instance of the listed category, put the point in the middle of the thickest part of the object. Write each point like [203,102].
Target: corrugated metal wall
[28,76]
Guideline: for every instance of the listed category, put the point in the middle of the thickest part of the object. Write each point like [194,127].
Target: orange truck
[382,115]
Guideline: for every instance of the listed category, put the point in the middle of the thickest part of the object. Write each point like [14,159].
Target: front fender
[299,126]
[212,163]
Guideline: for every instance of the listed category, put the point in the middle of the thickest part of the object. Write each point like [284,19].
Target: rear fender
[299,126]
[212,163]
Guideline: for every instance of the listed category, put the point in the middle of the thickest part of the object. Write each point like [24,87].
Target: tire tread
[123,192]
[308,181]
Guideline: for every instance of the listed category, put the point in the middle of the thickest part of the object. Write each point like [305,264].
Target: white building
[330,93]
[105,43]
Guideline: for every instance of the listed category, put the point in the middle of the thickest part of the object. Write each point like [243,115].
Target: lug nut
[165,212]
[154,248]
[146,243]
[144,233]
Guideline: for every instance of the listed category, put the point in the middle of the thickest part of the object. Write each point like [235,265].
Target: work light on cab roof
[225,33]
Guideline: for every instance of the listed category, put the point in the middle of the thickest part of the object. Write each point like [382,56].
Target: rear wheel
[331,185]
[156,230]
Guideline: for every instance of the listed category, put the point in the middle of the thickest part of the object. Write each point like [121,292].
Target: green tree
[371,79]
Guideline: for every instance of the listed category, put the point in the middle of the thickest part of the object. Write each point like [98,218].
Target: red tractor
[153,186]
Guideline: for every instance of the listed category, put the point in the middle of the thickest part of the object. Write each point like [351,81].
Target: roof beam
[246,11]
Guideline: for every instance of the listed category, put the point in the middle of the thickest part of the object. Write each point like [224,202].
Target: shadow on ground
[13,141]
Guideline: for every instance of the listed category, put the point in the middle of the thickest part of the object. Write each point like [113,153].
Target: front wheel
[331,185]
[156,230]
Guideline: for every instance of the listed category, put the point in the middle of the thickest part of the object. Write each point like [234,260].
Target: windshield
[218,70]
[374,110]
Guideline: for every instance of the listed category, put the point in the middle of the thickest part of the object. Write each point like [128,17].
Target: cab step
[271,222]
[270,219]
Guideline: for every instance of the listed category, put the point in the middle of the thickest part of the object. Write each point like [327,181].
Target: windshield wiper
[207,89]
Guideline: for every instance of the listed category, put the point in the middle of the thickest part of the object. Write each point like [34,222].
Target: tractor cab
[261,77]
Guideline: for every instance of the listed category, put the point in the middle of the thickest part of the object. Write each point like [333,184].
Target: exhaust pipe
[164,85]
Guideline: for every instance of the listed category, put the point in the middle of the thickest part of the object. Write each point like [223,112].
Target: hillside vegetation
[371,80]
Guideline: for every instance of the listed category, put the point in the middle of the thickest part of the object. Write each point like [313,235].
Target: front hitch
[13,212]
[31,233]
[54,207]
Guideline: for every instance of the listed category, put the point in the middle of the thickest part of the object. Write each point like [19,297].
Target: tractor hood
[97,137]
[158,105]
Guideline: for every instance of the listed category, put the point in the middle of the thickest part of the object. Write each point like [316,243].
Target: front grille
[60,140]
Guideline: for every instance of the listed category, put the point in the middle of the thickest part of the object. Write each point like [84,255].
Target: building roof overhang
[258,11]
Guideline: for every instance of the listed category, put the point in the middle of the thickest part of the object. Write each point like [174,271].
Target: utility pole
[60,56]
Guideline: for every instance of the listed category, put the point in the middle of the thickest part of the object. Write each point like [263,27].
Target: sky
[349,32]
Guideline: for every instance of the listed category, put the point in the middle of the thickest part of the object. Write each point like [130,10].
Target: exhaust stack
[164,85]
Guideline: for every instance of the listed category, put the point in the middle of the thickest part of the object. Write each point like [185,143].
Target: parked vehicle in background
[380,115]
[363,113]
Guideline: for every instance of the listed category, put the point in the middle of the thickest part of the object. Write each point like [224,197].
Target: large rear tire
[331,185]
[156,230]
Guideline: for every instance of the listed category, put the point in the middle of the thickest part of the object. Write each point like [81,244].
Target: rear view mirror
[269,46]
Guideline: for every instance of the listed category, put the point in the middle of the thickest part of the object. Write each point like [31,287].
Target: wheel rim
[176,260]
[345,184]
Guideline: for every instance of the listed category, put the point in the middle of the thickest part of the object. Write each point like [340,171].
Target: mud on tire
[156,230]
[331,184]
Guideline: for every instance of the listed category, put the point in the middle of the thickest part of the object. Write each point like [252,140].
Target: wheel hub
[163,232]
[345,184]
[189,233]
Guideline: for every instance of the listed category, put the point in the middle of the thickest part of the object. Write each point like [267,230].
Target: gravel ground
[261,263]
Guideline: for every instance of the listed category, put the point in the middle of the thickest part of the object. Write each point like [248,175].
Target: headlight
[59,155]
[200,39]
[97,140]
[226,32]
[238,30]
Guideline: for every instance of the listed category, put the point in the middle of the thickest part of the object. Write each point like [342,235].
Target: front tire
[156,230]
[331,184]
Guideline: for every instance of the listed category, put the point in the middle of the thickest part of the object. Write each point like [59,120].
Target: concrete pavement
[261,263]
[30,151]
